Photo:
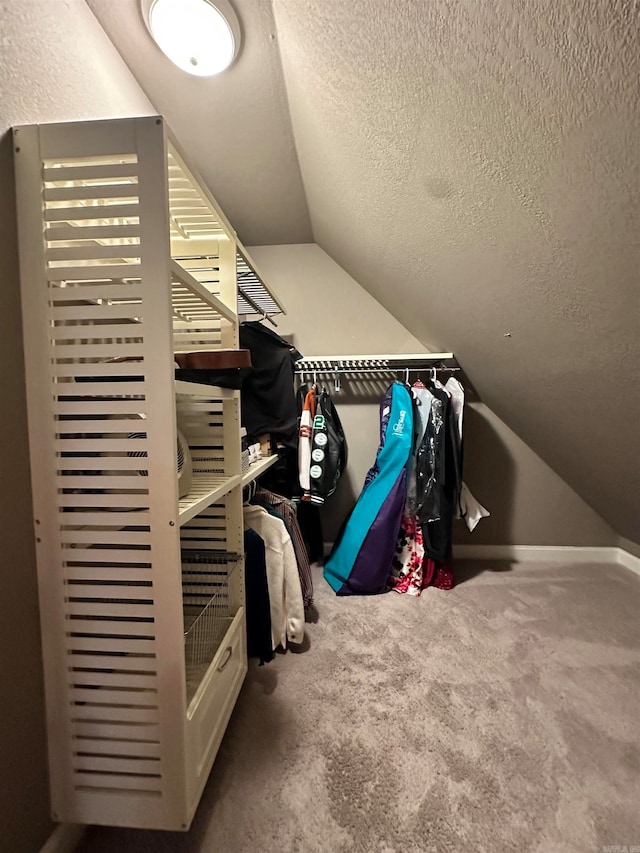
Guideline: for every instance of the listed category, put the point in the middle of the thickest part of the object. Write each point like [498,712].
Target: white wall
[328,312]
[56,64]
[529,503]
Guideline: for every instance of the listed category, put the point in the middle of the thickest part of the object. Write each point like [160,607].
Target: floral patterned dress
[406,570]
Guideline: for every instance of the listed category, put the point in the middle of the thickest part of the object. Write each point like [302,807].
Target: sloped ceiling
[234,128]
[475,166]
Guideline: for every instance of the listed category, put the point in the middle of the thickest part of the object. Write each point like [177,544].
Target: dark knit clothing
[259,643]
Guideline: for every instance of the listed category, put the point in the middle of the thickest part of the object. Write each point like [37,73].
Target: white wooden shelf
[258,468]
[206,489]
[200,296]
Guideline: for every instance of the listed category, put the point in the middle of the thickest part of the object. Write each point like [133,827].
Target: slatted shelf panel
[199,235]
[199,231]
[107,302]
[193,300]
[97,314]
[192,214]
[199,316]
[209,426]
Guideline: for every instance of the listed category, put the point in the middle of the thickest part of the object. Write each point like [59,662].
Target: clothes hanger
[249,492]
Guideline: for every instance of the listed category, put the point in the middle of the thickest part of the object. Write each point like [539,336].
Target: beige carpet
[501,716]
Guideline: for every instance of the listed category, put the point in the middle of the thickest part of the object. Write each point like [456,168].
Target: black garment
[257,599]
[311,529]
[439,477]
[328,450]
[268,397]
[282,478]
[430,459]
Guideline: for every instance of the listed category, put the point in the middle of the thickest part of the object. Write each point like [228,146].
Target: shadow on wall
[490,474]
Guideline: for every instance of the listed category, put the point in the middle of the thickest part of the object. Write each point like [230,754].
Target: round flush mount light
[201,37]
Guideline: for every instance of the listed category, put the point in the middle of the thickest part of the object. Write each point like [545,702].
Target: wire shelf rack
[207,609]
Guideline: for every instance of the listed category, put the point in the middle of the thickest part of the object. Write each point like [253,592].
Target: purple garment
[374,561]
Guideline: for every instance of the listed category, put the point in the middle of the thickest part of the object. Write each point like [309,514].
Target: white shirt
[283,580]
[472,511]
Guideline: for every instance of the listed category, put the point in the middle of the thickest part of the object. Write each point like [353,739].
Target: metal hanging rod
[376,363]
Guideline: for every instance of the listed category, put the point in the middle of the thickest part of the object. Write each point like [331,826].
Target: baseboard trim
[629,560]
[534,553]
[64,838]
[540,553]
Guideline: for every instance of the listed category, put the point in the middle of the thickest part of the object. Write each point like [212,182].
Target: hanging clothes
[407,567]
[258,621]
[287,511]
[285,595]
[422,399]
[361,560]
[305,432]
[328,450]
[268,397]
[423,552]
[439,474]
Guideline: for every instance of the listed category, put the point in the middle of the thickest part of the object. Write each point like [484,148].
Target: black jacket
[268,397]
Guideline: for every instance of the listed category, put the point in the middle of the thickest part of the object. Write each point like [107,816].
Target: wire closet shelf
[324,365]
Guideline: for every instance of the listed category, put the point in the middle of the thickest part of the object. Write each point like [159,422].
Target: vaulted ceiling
[474,166]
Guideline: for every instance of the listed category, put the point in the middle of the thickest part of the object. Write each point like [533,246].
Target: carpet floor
[500,716]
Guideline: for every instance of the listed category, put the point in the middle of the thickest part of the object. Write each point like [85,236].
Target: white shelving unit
[125,259]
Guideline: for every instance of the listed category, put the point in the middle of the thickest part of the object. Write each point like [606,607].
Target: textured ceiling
[235,128]
[475,166]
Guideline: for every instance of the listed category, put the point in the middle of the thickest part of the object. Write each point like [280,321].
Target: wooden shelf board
[200,290]
[207,489]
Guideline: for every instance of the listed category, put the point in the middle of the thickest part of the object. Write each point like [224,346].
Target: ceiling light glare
[195,34]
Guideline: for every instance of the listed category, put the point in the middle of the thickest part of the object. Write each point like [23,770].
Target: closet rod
[376,363]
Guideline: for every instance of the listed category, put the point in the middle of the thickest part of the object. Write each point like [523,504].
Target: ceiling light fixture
[201,37]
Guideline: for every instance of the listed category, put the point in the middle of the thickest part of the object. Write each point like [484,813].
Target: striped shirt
[285,508]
